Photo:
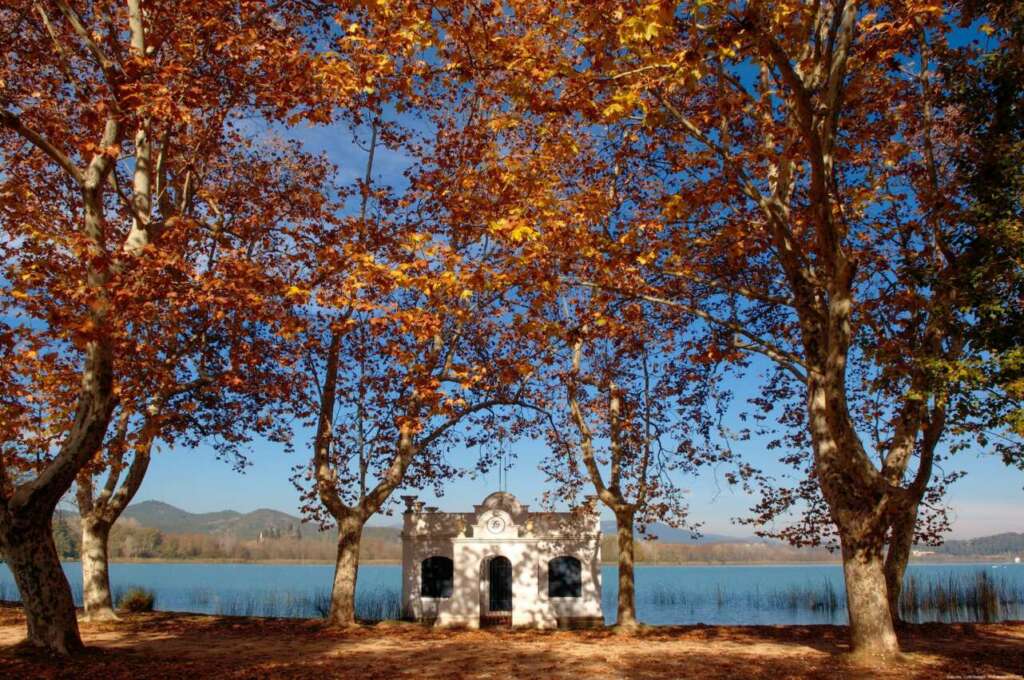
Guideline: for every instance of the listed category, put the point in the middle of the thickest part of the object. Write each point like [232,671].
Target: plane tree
[407,343]
[983,82]
[623,395]
[626,417]
[101,105]
[204,373]
[809,217]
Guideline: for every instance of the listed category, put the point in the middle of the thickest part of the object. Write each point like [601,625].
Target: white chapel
[501,565]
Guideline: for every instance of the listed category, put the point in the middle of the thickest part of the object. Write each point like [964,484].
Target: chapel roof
[502,500]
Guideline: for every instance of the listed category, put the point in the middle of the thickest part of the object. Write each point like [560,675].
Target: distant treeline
[1000,544]
[129,541]
[654,552]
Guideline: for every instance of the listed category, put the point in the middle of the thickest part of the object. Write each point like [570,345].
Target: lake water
[773,594]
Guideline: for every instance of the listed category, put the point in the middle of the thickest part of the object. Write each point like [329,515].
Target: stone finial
[418,506]
[431,508]
[408,502]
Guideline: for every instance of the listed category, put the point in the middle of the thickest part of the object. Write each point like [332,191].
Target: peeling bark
[897,557]
[45,594]
[96,597]
[99,515]
[872,635]
[904,525]
[625,616]
[346,570]
[26,516]
[861,502]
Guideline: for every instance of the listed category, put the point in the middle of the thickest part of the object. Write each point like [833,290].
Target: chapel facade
[501,565]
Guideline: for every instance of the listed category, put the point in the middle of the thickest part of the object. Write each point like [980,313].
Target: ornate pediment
[495,523]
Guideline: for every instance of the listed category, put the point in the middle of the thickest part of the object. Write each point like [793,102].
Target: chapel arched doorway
[500,577]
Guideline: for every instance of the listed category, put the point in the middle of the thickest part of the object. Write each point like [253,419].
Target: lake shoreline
[743,594]
[981,559]
[167,644]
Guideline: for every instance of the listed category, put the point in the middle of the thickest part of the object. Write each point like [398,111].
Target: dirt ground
[169,645]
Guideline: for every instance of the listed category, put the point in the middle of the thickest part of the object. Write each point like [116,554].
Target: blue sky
[990,499]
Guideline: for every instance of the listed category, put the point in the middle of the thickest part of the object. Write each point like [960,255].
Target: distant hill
[157,530]
[999,544]
[667,534]
[166,517]
[246,526]
[169,519]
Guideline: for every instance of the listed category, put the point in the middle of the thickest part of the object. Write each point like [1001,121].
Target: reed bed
[978,597]
[381,604]
[823,597]
[968,597]
[120,590]
[377,605]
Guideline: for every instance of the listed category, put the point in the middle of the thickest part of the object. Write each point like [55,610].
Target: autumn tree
[984,85]
[809,216]
[101,106]
[958,180]
[619,423]
[204,373]
[624,410]
[404,347]
[804,222]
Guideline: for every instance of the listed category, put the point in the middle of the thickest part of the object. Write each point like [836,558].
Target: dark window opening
[564,577]
[436,577]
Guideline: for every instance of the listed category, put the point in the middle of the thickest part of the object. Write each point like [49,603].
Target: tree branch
[12,121]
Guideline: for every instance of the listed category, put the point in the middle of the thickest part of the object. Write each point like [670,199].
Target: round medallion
[496,525]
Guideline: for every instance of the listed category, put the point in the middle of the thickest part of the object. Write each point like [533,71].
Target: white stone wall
[501,526]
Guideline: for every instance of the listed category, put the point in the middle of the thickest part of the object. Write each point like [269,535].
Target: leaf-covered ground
[168,645]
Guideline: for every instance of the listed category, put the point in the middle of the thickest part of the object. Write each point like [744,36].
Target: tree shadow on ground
[168,645]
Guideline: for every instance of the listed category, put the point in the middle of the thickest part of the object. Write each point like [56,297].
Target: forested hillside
[157,530]
[1010,543]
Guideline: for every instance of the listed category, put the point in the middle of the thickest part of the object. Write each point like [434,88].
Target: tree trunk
[28,546]
[625,616]
[872,635]
[99,515]
[99,605]
[346,569]
[901,542]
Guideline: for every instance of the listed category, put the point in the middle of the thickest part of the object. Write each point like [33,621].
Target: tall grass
[809,597]
[137,600]
[974,598]
[120,590]
[970,598]
[376,605]
[381,604]
[663,596]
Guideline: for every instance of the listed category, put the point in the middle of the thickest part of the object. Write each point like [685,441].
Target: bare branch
[107,65]
[12,121]
[765,346]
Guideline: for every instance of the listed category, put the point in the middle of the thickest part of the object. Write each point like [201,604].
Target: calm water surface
[776,594]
